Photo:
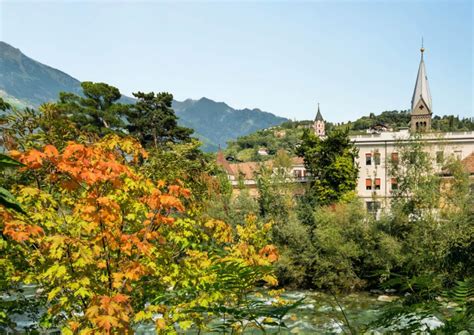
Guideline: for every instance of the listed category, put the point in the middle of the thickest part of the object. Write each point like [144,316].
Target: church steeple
[319,125]
[421,104]
[319,117]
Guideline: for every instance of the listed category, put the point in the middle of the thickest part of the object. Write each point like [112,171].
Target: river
[319,313]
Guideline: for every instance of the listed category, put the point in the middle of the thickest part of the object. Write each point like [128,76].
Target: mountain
[26,82]
[216,122]
[29,81]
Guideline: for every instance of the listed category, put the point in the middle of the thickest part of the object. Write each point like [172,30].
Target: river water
[319,313]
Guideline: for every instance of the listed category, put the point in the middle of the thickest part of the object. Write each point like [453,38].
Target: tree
[331,163]
[98,111]
[418,183]
[153,121]
[109,248]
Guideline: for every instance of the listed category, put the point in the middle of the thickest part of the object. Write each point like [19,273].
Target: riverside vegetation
[119,220]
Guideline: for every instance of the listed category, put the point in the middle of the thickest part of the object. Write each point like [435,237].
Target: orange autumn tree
[107,247]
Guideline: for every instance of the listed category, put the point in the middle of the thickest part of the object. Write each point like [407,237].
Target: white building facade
[376,151]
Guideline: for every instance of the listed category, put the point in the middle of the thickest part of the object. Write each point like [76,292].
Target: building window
[394,158]
[368,159]
[297,174]
[394,184]
[458,154]
[368,184]
[373,206]
[439,157]
[377,183]
[377,158]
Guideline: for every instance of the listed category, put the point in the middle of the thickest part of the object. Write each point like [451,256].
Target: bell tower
[421,104]
[319,125]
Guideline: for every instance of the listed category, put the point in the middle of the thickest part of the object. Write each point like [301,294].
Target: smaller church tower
[319,125]
[421,105]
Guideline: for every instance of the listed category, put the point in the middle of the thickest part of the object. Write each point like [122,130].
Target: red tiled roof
[248,169]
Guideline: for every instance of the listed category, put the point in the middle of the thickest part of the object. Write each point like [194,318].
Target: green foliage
[98,111]
[424,298]
[153,121]
[330,162]
[418,185]
[6,198]
[250,311]
[285,137]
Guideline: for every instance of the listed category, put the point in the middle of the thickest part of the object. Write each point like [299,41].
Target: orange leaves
[109,313]
[50,151]
[177,191]
[20,232]
[84,164]
[33,159]
[91,165]
[157,201]
[270,252]
[171,202]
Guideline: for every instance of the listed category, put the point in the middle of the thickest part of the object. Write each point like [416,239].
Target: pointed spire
[422,89]
[319,116]
[422,49]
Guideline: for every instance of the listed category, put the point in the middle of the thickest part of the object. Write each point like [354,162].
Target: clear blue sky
[283,57]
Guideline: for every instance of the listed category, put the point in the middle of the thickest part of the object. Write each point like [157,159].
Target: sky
[284,57]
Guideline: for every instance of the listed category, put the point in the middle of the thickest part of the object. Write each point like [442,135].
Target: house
[244,174]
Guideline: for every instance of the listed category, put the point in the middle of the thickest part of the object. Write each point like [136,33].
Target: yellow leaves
[53,293]
[184,325]
[270,280]
[56,246]
[221,231]
[143,316]
[55,272]
[82,292]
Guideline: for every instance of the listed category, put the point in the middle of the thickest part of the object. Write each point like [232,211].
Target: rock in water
[387,298]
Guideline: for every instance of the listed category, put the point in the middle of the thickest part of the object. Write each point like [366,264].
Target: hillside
[29,81]
[288,134]
[26,82]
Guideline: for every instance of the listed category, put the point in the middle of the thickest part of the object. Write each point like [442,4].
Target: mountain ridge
[26,82]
